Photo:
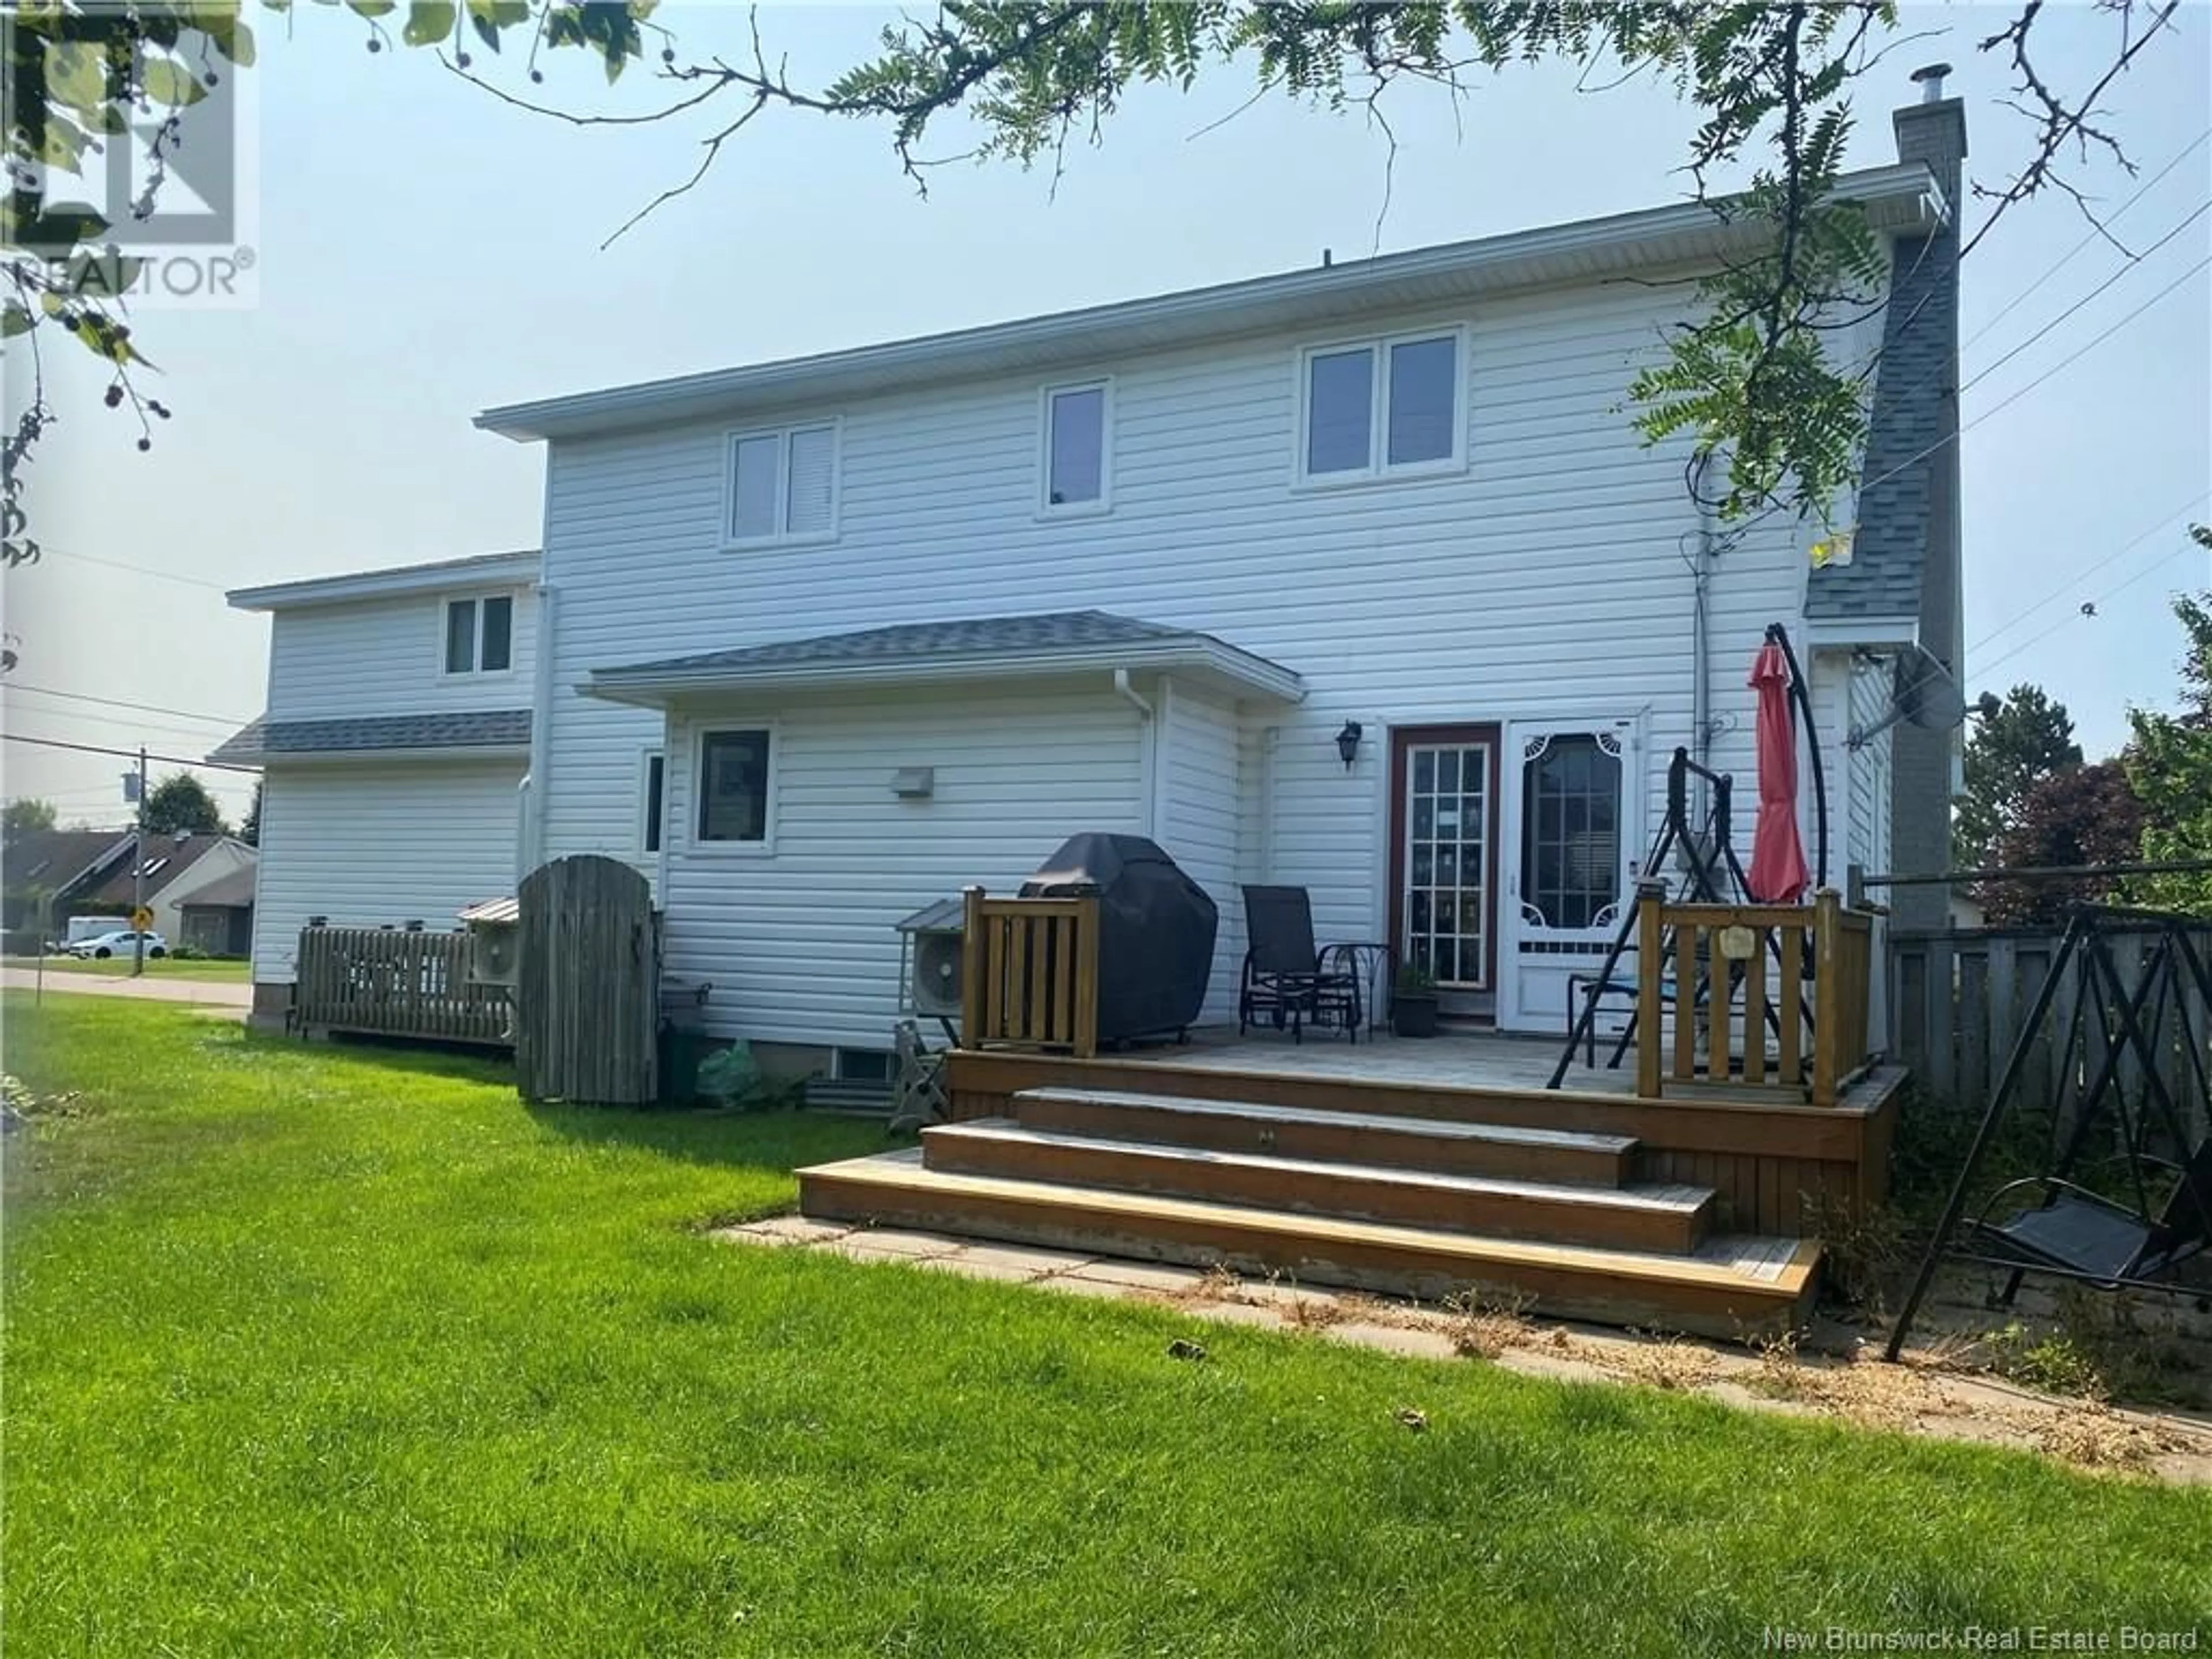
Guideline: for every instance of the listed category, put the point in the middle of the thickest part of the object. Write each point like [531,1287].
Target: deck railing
[1030,979]
[1715,982]
[394,983]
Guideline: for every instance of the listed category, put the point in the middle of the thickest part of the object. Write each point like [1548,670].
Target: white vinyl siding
[387,656]
[1197,813]
[801,947]
[1541,580]
[782,485]
[370,845]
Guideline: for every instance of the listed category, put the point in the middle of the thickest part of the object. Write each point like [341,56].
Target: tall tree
[181,802]
[2028,737]
[2169,762]
[1748,379]
[249,830]
[21,817]
[2084,816]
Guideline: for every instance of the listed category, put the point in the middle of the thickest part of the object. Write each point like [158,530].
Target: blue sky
[426,251]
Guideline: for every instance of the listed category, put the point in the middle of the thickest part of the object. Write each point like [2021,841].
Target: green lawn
[229,973]
[316,1351]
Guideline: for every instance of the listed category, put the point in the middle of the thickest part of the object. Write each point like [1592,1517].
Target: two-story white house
[816,642]
[393,750]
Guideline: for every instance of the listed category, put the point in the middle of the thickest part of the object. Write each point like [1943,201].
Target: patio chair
[2088,1236]
[1288,979]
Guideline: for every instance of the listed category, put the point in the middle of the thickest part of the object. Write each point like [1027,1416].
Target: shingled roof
[266,740]
[1052,640]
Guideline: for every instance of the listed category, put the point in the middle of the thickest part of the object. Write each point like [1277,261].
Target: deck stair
[1405,1206]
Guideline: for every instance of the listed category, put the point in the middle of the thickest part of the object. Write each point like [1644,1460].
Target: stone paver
[1410,1341]
[1140,1275]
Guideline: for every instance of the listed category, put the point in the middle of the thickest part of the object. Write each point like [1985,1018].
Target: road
[205,994]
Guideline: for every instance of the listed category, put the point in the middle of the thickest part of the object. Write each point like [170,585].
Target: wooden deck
[1454,1060]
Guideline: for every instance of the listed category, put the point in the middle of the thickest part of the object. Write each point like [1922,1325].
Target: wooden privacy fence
[587,1024]
[1715,982]
[390,983]
[1959,999]
[1030,977]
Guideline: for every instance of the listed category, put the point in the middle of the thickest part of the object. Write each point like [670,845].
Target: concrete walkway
[205,994]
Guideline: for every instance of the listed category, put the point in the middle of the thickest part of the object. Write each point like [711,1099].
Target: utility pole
[139,877]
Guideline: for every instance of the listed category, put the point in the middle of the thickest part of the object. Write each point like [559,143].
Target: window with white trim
[1078,441]
[654,795]
[782,484]
[1374,409]
[480,635]
[734,786]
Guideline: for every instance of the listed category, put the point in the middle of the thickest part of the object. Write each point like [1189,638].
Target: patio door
[1575,827]
[1443,852]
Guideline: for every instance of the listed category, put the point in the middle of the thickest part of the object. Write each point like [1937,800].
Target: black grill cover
[1156,930]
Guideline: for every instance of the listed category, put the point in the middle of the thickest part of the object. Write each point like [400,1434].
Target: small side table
[1371,965]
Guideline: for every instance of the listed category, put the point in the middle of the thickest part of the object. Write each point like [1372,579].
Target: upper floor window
[1375,408]
[480,635]
[733,785]
[1078,443]
[783,484]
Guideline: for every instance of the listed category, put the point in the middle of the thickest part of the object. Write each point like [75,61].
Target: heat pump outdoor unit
[494,942]
[931,960]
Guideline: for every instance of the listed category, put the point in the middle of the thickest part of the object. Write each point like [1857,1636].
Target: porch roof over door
[935,652]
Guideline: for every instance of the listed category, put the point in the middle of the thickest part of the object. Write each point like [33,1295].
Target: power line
[2096,235]
[2098,599]
[2202,209]
[127,753]
[137,726]
[117,702]
[65,555]
[2060,590]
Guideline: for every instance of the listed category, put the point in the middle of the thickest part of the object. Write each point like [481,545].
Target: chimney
[1934,131]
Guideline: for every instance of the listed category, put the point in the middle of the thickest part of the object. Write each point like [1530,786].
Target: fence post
[1827,995]
[971,968]
[1650,1019]
[1086,978]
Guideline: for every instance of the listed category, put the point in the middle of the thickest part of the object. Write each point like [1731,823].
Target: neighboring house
[108,875]
[820,642]
[45,871]
[395,734]
[217,920]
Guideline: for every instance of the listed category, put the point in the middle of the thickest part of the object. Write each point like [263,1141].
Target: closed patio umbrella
[1777,873]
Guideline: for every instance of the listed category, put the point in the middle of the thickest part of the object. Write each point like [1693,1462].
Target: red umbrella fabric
[1777,873]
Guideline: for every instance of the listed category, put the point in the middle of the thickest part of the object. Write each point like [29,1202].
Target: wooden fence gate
[587,1008]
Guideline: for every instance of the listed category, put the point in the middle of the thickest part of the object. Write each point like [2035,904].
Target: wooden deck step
[1412,1143]
[1667,1219]
[1730,1286]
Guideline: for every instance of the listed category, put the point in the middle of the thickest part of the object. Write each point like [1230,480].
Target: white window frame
[1379,469]
[446,604]
[693,794]
[647,827]
[1046,506]
[835,426]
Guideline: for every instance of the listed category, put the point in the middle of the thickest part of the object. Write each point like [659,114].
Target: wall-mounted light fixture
[1347,743]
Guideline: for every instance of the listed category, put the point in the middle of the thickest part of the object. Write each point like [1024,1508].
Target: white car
[124,944]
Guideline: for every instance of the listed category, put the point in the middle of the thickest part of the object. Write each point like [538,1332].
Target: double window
[783,484]
[1078,447]
[734,786]
[480,635]
[1374,409]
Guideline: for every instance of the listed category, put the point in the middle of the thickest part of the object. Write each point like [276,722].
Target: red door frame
[1402,737]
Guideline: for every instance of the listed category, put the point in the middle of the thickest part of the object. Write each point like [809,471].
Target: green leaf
[428,21]
[167,82]
[371,7]
[489,17]
[77,76]
[15,321]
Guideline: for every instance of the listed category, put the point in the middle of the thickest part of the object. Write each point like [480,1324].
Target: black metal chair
[2086,1236]
[1288,979]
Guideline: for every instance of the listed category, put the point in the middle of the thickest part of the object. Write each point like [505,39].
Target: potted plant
[1414,1005]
